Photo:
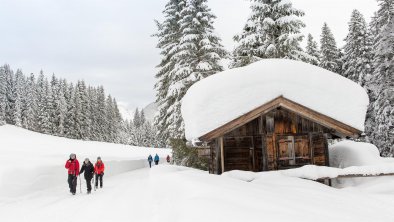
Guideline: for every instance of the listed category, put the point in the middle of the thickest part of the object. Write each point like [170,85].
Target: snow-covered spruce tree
[2,95]
[10,94]
[313,50]
[357,55]
[378,23]
[19,94]
[118,121]
[329,51]
[82,113]
[271,31]
[94,127]
[137,133]
[48,113]
[30,106]
[102,121]
[195,52]
[198,56]
[60,105]
[42,114]
[70,125]
[168,35]
[136,118]
[383,89]
[110,117]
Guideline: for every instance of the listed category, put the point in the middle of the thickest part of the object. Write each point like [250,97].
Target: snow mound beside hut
[220,98]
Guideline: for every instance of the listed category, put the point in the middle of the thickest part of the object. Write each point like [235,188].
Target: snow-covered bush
[185,155]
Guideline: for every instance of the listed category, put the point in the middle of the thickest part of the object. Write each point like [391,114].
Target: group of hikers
[90,171]
[156,159]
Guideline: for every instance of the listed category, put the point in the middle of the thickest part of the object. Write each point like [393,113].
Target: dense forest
[77,111]
[191,51]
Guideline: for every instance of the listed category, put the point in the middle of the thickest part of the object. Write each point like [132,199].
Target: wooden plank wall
[254,146]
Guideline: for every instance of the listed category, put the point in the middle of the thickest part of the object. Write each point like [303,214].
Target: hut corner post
[221,153]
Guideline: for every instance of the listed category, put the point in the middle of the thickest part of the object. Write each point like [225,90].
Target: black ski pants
[72,183]
[89,183]
[99,177]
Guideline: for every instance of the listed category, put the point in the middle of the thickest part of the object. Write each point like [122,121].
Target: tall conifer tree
[271,31]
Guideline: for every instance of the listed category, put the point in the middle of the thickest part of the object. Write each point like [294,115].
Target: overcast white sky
[108,42]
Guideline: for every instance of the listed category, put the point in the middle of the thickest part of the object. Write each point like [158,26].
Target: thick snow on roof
[220,98]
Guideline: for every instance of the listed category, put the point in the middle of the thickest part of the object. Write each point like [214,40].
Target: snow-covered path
[123,198]
[170,193]
[33,188]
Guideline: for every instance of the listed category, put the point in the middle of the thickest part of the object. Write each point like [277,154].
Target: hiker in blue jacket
[157,158]
[150,159]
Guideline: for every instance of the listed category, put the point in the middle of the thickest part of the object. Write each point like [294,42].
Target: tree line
[78,111]
[191,50]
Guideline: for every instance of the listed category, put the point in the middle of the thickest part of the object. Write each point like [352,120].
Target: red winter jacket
[73,167]
[99,167]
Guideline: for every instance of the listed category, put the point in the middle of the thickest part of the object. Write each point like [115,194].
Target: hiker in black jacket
[88,170]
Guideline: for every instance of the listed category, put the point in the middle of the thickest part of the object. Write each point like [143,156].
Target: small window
[270,124]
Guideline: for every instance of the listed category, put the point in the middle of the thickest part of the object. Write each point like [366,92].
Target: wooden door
[320,149]
[238,153]
[271,154]
[286,153]
[293,151]
[258,154]
[302,150]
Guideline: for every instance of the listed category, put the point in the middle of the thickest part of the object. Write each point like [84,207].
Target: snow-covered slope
[32,161]
[222,97]
[149,112]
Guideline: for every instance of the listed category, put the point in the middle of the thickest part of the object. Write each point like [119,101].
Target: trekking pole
[80,184]
[94,181]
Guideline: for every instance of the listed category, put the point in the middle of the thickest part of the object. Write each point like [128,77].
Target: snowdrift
[32,161]
[346,158]
[271,196]
[361,157]
[220,98]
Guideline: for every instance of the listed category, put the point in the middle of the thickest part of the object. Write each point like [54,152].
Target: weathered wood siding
[279,139]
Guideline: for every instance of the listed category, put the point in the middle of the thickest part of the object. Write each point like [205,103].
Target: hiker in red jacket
[73,171]
[99,172]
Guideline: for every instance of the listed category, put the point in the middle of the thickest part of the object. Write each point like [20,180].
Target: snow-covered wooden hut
[273,114]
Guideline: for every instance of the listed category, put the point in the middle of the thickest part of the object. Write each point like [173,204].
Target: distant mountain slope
[150,111]
[126,113]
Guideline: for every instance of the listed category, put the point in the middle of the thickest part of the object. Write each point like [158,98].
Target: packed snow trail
[123,198]
[33,188]
[178,194]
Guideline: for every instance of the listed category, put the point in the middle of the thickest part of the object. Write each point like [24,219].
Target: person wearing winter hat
[72,165]
[99,172]
[88,170]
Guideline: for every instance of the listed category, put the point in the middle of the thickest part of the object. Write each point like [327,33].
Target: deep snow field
[33,188]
